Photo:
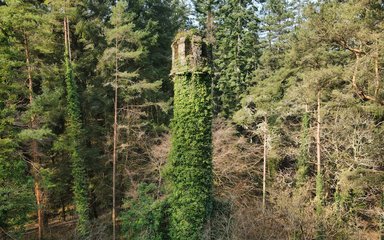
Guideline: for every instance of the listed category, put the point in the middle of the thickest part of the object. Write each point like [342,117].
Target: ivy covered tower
[190,166]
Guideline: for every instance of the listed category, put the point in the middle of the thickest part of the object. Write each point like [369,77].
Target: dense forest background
[86,105]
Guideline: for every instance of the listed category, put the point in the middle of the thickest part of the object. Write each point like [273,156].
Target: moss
[188,34]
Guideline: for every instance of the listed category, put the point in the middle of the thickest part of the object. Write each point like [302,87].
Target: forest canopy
[189,120]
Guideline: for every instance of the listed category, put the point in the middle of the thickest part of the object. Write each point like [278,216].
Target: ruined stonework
[190,54]
[190,163]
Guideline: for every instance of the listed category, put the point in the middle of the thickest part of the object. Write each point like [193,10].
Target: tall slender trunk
[40,207]
[382,215]
[68,39]
[377,71]
[209,25]
[302,163]
[359,90]
[238,43]
[265,161]
[63,215]
[39,194]
[319,176]
[318,143]
[74,128]
[65,34]
[114,148]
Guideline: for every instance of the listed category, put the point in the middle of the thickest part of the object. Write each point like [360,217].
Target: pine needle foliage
[235,54]
[303,158]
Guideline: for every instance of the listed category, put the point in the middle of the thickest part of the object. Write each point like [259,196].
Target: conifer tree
[265,86]
[75,134]
[87,20]
[319,79]
[235,54]
[356,44]
[16,196]
[302,81]
[303,158]
[21,19]
[204,13]
[117,65]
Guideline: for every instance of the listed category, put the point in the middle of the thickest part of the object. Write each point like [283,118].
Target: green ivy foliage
[190,166]
[143,218]
[80,186]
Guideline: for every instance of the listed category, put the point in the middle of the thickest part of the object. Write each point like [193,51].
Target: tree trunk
[318,143]
[209,25]
[265,161]
[377,72]
[68,39]
[114,150]
[319,176]
[65,34]
[63,214]
[359,90]
[40,211]
[39,194]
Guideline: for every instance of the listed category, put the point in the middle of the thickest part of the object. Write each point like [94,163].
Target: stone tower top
[190,54]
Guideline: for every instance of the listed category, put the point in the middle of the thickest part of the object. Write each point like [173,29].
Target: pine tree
[356,44]
[16,197]
[21,19]
[118,66]
[75,134]
[235,54]
[266,84]
[88,21]
[319,79]
[302,81]
[204,12]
